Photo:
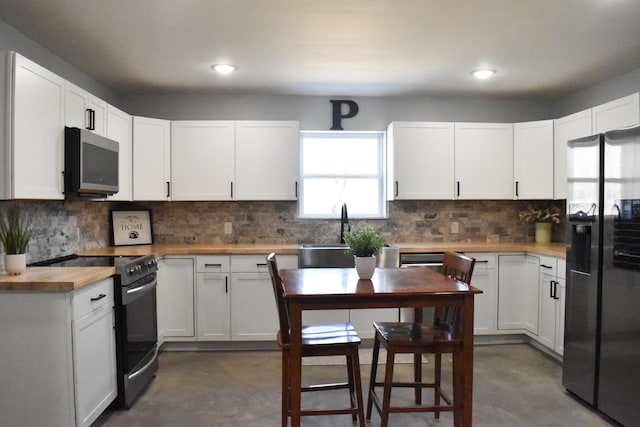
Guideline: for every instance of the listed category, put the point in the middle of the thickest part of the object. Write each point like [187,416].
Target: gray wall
[11,39]
[315,112]
[609,90]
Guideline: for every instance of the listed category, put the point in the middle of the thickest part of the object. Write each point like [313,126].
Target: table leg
[295,361]
[467,363]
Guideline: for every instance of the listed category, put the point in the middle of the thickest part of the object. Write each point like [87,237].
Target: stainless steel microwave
[90,164]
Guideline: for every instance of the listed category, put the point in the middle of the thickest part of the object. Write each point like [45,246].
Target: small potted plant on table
[15,233]
[364,243]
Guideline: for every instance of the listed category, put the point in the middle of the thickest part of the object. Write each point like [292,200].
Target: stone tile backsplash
[64,227]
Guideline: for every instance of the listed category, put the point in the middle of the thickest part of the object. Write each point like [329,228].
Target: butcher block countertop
[71,278]
[47,279]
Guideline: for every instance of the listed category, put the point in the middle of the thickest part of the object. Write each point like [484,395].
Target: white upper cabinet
[85,111]
[616,114]
[484,160]
[151,159]
[202,154]
[267,160]
[32,155]
[120,129]
[565,129]
[533,159]
[421,155]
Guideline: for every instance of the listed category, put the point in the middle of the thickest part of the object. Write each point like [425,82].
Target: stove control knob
[131,271]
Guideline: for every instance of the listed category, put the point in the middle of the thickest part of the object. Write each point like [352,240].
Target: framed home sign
[131,227]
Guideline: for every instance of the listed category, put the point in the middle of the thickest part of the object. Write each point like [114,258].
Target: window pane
[325,196]
[342,167]
[340,156]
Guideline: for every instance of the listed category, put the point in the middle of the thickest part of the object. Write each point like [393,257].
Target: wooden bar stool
[442,336]
[339,339]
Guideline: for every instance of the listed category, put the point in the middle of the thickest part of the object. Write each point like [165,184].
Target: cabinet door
[561,291]
[548,306]
[616,114]
[202,160]
[254,316]
[94,358]
[119,129]
[176,300]
[485,304]
[533,159]
[38,132]
[421,154]
[484,160]
[151,159]
[518,283]
[85,111]
[267,160]
[565,129]
[213,307]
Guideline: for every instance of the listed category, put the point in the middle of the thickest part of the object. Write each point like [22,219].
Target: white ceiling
[540,48]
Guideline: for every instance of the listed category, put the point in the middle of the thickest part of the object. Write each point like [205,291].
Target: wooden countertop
[54,278]
[70,278]
[549,249]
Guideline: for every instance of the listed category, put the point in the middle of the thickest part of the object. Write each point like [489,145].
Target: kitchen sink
[334,255]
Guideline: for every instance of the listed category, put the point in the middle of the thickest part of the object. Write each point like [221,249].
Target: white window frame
[380,175]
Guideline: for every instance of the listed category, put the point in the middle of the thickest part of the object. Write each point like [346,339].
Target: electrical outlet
[454,227]
[228,228]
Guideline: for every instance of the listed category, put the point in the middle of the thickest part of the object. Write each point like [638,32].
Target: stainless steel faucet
[344,221]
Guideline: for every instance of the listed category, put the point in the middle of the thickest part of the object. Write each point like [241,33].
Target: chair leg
[386,396]
[417,377]
[352,391]
[437,368]
[372,378]
[285,389]
[358,382]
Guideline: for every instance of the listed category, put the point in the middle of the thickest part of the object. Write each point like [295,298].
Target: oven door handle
[142,288]
[149,363]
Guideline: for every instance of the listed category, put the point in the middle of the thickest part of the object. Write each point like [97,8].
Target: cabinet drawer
[250,263]
[484,261]
[212,263]
[91,297]
[548,266]
[258,263]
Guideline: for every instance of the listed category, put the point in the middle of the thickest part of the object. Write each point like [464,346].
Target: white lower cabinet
[485,304]
[175,297]
[518,292]
[254,315]
[552,296]
[213,298]
[63,373]
[94,362]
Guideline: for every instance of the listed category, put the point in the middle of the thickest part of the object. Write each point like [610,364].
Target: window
[342,167]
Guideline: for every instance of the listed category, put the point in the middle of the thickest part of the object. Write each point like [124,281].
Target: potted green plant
[15,233]
[543,218]
[364,243]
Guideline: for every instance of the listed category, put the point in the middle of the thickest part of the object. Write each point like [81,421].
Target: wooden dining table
[341,288]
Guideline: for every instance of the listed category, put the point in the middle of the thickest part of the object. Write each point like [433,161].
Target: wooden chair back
[459,267]
[278,291]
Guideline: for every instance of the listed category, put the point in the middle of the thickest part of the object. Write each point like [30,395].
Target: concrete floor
[514,385]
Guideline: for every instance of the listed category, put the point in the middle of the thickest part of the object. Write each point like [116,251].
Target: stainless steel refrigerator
[602,325]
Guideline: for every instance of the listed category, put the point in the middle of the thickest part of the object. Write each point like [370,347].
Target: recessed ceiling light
[224,68]
[484,73]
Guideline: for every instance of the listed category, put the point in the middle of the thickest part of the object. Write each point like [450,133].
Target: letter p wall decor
[342,109]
